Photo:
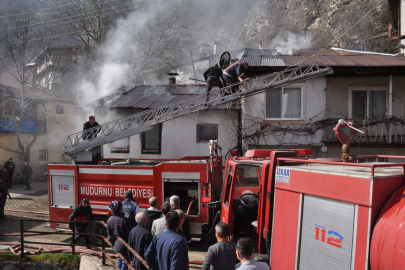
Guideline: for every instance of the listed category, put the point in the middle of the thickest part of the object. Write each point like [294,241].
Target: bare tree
[89,21]
[20,43]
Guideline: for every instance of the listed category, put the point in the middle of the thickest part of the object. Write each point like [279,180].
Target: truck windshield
[247,175]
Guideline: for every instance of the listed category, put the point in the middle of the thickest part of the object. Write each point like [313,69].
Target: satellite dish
[225,60]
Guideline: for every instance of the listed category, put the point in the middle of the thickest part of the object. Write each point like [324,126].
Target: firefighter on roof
[80,213]
[233,73]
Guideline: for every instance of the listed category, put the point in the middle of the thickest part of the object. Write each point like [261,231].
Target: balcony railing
[384,131]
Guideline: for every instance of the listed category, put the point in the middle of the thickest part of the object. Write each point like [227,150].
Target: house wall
[179,135]
[254,113]
[58,127]
[337,93]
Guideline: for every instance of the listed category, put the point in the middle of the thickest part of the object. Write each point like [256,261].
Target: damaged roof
[333,57]
[152,96]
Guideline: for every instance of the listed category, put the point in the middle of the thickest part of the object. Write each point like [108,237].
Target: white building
[184,136]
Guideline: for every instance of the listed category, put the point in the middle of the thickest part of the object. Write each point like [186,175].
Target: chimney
[390,30]
[215,48]
[172,77]
[260,45]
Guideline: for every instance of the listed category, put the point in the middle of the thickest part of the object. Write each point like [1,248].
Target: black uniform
[89,134]
[10,166]
[3,198]
[82,213]
[213,76]
[4,176]
[152,216]
[119,225]
[27,172]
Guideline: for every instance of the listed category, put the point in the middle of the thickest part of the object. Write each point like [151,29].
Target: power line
[56,20]
[54,7]
[75,32]
[78,15]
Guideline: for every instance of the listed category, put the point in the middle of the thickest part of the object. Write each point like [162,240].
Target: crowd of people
[161,237]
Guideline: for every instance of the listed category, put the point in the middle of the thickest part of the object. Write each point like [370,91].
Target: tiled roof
[325,57]
[152,96]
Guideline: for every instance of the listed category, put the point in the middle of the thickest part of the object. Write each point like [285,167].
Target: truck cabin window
[228,187]
[247,176]
[246,199]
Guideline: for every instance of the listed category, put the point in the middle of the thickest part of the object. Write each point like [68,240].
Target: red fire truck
[318,213]
[191,178]
[301,213]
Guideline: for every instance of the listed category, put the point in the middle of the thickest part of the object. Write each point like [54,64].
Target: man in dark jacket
[89,125]
[131,208]
[175,203]
[214,260]
[3,196]
[213,76]
[28,174]
[4,175]
[139,240]
[10,166]
[169,247]
[118,225]
[152,212]
[82,212]
[233,73]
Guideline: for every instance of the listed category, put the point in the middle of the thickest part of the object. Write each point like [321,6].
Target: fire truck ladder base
[141,122]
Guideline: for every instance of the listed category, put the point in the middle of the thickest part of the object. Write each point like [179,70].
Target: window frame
[56,110]
[197,138]
[152,152]
[117,150]
[46,154]
[298,85]
[368,89]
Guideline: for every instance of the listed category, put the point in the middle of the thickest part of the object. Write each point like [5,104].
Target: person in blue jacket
[131,208]
[168,247]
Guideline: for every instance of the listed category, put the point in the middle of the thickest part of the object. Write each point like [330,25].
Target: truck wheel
[97,229]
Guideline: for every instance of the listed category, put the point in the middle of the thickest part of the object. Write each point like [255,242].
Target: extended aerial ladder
[143,121]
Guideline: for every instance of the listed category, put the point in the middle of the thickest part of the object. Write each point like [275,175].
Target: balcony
[27,127]
[387,131]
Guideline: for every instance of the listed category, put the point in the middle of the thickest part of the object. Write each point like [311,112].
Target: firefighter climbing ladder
[141,122]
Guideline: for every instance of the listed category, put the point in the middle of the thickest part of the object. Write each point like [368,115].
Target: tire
[97,229]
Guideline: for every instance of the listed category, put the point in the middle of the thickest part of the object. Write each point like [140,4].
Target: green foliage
[65,259]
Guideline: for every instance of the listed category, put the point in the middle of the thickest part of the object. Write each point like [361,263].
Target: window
[247,176]
[43,154]
[59,109]
[285,103]
[78,111]
[121,146]
[228,187]
[368,104]
[206,132]
[12,107]
[151,140]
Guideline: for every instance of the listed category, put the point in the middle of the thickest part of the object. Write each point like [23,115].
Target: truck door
[227,206]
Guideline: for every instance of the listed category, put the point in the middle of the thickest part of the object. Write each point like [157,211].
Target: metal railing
[384,131]
[141,122]
[73,234]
